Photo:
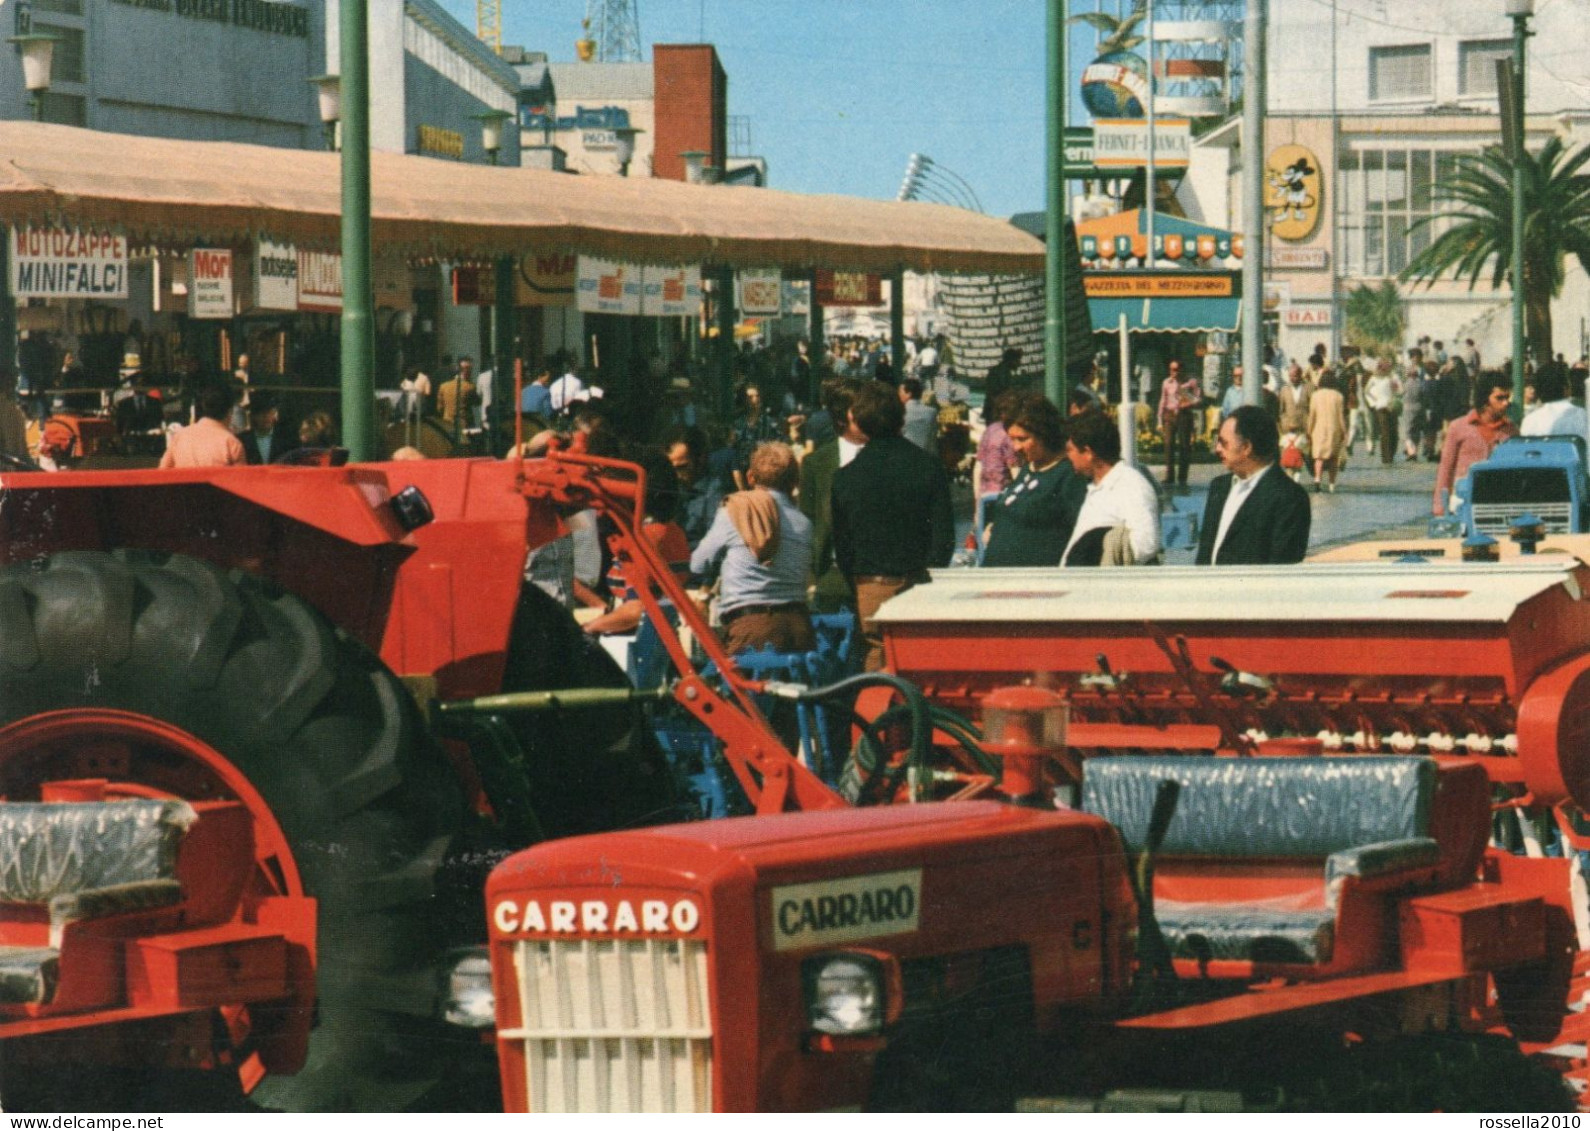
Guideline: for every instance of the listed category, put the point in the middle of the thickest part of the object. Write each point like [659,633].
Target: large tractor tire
[328,736]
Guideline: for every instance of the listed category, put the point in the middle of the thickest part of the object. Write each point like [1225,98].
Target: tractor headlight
[845,994]
[469,1001]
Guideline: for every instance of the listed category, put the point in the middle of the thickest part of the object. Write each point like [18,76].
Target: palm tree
[1119,34]
[1375,317]
[1556,225]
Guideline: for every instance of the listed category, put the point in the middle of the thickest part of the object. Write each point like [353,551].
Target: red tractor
[238,851]
[264,732]
[1270,880]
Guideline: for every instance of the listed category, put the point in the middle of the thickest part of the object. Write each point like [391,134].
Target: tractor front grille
[615,1026]
[1494,518]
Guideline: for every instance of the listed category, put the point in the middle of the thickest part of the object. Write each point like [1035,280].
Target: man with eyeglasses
[1179,398]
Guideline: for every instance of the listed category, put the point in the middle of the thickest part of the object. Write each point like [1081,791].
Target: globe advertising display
[1115,85]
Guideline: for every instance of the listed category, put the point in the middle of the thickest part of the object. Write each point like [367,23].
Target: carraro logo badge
[846,910]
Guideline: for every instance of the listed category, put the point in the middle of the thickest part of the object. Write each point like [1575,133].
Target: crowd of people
[785,508]
[1431,404]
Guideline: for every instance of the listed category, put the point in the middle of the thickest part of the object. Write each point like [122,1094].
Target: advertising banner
[608,287]
[761,293]
[275,276]
[62,263]
[670,292]
[320,281]
[849,288]
[1123,143]
[210,282]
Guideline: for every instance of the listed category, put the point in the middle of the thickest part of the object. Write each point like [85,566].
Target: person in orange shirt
[207,442]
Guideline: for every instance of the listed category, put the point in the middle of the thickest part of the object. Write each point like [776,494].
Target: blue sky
[841,92]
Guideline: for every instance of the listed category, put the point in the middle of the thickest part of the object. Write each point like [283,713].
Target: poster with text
[64,263]
[761,292]
[608,287]
[670,292]
[320,281]
[210,282]
[275,276]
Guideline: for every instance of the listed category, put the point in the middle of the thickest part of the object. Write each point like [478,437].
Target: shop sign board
[1307,316]
[66,263]
[1160,284]
[275,276]
[1297,258]
[320,281]
[210,282]
[1122,143]
[605,286]
[1293,191]
[435,141]
[546,279]
[761,292]
[670,292]
[849,288]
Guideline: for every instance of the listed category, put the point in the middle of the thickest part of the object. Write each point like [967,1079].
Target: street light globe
[491,135]
[328,95]
[624,143]
[1520,8]
[695,165]
[491,123]
[38,57]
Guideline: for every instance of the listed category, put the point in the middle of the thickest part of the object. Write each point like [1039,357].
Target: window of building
[1388,207]
[1477,66]
[65,7]
[67,64]
[1398,74]
[64,109]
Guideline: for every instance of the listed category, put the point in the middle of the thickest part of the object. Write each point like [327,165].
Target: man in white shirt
[568,390]
[1554,414]
[1119,496]
[1256,514]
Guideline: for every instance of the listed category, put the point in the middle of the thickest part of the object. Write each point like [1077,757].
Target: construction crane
[611,32]
[488,23]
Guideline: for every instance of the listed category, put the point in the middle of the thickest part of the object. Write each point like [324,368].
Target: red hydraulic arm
[773,778]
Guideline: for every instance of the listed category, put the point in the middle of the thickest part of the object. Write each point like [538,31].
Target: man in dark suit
[891,512]
[1256,514]
[261,444]
[817,485]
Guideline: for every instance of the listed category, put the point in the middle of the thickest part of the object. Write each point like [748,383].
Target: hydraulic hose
[914,704]
[868,760]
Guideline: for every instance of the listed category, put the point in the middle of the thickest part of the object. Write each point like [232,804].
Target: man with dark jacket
[817,487]
[1256,514]
[891,512]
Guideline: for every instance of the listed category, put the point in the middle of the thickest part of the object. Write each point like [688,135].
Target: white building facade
[1378,99]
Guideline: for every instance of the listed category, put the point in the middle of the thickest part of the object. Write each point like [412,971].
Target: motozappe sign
[63,263]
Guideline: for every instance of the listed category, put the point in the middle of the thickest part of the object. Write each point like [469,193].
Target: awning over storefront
[1168,315]
[177,194]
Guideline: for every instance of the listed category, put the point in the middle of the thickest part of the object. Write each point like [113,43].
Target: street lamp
[624,147]
[1519,12]
[38,56]
[695,165]
[491,131]
[328,93]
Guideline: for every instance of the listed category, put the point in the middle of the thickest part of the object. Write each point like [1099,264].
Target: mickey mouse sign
[1293,188]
